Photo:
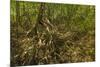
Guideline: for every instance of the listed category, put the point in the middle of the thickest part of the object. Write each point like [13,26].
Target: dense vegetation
[49,33]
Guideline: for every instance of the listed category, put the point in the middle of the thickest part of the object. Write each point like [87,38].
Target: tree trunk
[42,24]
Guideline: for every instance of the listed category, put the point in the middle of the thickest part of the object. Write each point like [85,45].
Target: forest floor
[68,47]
